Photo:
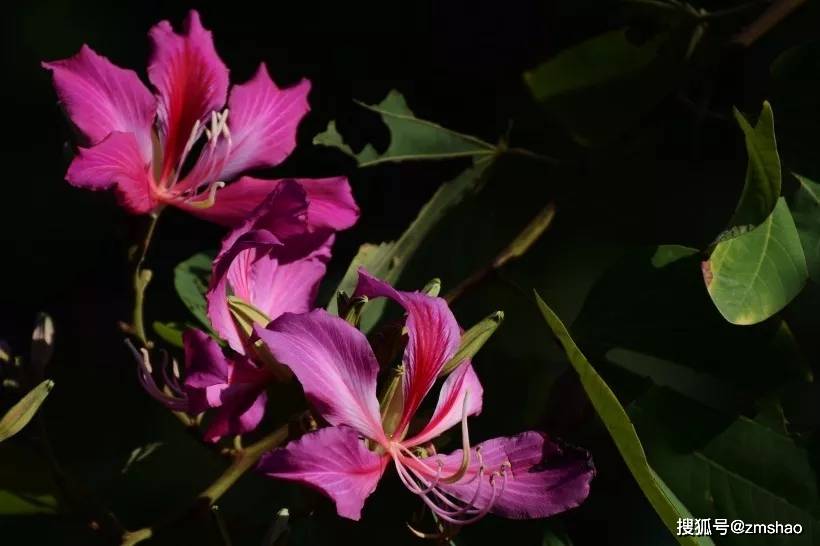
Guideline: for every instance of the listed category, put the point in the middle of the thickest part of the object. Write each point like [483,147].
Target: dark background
[673,178]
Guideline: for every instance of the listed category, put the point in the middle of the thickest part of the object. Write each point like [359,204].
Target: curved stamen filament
[416,477]
[209,201]
[218,128]
[176,399]
[465,446]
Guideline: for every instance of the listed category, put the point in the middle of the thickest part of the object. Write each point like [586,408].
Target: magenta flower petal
[333,460]
[101,98]
[283,213]
[254,265]
[191,80]
[205,364]
[277,288]
[263,121]
[525,476]
[335,365]
[330,203]
[434,337]
[233,387]
[450,408]
[241,410]
[234,203]
[116,161]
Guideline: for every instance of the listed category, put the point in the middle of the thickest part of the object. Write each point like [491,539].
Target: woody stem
[243,461]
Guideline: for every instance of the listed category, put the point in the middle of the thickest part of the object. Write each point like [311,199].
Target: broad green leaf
[754,275]
[388,260]
[649,313]
[411,138]
[762,187]
[23,411]
[603,86]
[805,208]
[724,466]
[191,283]
[623,433]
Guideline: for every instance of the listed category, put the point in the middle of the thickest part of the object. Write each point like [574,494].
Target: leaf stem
[776,12]
[523,152]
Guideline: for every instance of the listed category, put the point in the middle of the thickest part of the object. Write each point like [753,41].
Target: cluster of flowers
[264,281]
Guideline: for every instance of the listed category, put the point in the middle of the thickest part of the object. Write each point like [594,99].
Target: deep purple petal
[333,460]
[542,478]
[433,338]
[241,410]
[191,80]
[101,98]
[115,162]
[335,365]
[205,364]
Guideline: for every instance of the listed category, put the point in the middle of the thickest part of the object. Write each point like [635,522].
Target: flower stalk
[141,279]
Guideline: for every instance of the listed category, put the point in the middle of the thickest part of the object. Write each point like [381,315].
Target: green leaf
[604,85]
[724,466]
[762,187]
[411,138]
[649,313]
[22,412]
[191,282]
[473,340]
[616,421]
[170,332]
[754,275]
[388,260]
[805,208]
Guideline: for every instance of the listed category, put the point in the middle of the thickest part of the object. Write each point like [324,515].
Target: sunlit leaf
[23,411]
[191,283]
[762,187]
[623,433]
[473,340]
[754,275]
[388,260]
[411,138]
[805,208]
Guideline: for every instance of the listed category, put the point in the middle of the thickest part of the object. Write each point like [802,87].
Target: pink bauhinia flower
[231,389]
[139,143]
[273,261]
[523,476]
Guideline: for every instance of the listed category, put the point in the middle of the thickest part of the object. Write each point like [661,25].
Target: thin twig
[517,248]
[775,13]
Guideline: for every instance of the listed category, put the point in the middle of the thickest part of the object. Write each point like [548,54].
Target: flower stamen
[209,201]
